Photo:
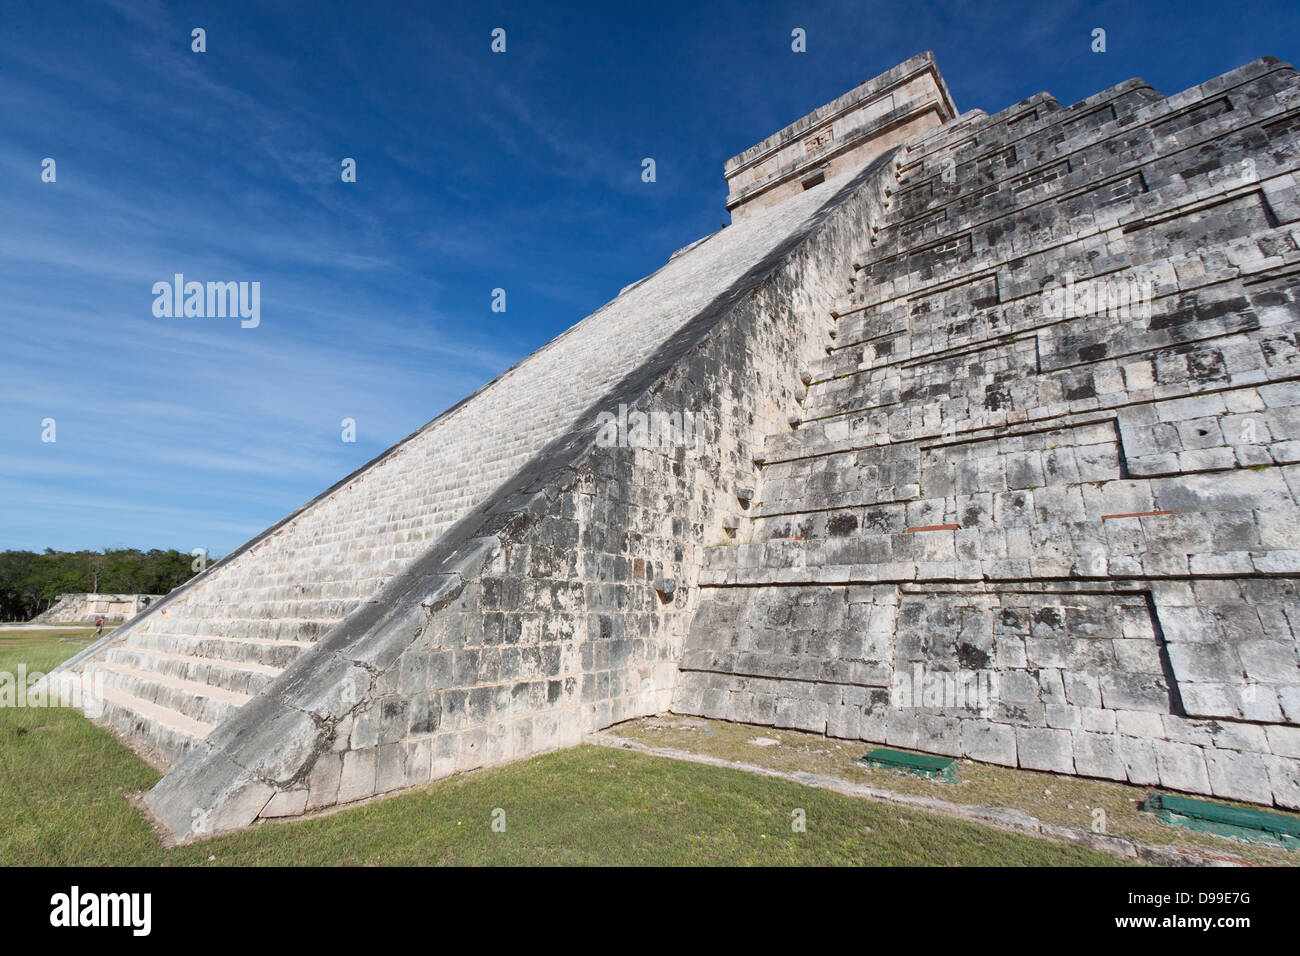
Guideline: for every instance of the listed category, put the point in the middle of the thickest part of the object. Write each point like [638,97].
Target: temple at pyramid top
[844,134]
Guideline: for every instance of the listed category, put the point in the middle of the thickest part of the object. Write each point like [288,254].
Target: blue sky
[475,171]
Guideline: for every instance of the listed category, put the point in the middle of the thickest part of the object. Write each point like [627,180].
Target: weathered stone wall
[563,605]
[1092,507]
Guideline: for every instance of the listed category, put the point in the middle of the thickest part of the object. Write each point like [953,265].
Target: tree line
[31,582]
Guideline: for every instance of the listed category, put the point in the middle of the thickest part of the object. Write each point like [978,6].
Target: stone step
[236,650]
[980,503]
[922,423]
[846,475]
[1025,367]
[907,271]
[305,589]
[335,609]
[244,677]
[1115,145]
[204,703]
[911,161]
[377,545]
[976,308]
[1022,269]
[380,537]
[1087,122]
[981,127]
[160,732]
[197,621]
[1124,545]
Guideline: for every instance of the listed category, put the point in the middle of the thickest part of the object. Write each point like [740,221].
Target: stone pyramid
[994,446]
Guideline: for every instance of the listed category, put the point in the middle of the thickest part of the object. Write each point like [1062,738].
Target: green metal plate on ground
[1239,823]
[923,765]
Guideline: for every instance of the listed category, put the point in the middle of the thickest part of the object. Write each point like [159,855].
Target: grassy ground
[1068,801]
[64,786]
[42,648]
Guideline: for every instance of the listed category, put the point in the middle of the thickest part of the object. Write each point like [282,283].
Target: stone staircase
[169,682]
[184,669]
[1091,502]
[191,662]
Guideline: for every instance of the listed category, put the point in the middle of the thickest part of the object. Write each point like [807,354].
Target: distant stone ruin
[996,443]
[83,608]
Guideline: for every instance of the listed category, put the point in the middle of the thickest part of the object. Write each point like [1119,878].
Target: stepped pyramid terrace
[994,452]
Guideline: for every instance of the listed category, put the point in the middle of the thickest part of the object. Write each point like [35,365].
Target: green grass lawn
[64,785]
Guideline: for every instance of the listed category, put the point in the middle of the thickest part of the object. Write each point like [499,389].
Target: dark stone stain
[971,657]
[841,524]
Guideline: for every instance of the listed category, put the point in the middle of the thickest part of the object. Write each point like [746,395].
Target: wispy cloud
[475,171]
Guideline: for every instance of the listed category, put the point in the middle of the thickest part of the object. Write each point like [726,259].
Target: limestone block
[286,803]
[902,729]
[357,779]
[1040,748]
[989,742]
[1181,766]
[1284,779]
[1139,759]
[323,782]
[1099,755]
[1238,776]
